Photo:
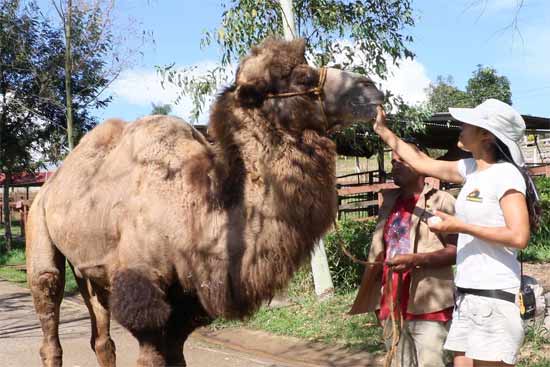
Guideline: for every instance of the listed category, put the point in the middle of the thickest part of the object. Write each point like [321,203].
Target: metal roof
[442,130]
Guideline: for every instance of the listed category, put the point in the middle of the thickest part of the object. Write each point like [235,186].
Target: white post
[288,19]
[321,272]
[319,264]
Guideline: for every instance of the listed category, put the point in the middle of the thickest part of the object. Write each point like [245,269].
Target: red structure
[27,179]
[21,205]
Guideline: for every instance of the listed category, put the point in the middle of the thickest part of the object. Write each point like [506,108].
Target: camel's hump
[158,143]
[165,133]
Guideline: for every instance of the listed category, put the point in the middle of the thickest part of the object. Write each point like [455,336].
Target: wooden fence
[20,208]
[358,194]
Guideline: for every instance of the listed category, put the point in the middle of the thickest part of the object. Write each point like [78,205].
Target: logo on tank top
[474,196]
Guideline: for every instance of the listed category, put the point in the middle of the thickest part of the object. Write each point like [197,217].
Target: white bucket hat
[498,118]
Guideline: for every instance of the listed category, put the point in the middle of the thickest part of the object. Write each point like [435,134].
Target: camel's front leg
[140,305]
[152,350]
[187,315]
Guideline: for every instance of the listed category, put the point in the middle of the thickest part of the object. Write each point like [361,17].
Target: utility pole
[67,19]
[319,264]
[69,73]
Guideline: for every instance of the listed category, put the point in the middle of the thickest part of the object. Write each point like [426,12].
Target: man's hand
[402,262]
[447,224]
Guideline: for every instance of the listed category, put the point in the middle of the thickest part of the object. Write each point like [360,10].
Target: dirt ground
[541,272]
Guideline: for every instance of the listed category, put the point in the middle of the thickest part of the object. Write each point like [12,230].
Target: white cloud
[141,87]
[408,80]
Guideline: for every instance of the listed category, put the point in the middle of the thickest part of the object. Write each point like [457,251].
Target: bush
[356,237]
[539,244]
[543,187]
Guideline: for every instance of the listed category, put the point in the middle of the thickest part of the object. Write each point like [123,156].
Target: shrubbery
[356,237]
[539,245]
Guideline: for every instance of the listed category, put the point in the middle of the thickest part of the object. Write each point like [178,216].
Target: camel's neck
[282,189]
[286,178]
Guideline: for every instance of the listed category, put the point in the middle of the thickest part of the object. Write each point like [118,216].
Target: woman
[495,210]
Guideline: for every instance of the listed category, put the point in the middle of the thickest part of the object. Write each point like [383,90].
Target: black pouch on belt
[527,302]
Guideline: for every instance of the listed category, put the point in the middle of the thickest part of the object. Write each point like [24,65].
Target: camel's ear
[251,94]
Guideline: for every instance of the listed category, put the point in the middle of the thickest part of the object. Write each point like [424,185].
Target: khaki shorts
[486,329]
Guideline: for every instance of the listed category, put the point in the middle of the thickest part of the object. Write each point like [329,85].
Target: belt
[492,293]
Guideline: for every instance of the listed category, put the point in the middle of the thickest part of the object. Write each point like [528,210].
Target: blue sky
[450,38]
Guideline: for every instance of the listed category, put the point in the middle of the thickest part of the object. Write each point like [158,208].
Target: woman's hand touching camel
[420,162]
[380,120]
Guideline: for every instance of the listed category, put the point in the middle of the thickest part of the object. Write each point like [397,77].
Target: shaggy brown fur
[180,231]
[136,303]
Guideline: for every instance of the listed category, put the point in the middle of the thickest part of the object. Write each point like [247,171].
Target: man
[419,263]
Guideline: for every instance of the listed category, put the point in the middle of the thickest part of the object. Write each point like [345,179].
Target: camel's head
[276,79]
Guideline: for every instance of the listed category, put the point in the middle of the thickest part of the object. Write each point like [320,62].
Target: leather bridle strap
[318,91]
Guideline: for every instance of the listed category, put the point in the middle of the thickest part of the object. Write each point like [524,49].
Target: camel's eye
[304,75]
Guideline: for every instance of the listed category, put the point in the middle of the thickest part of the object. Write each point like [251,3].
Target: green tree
[92,38]
[32,88]
[337,32]
[23,46]
[444,94]
[161,109]
[486,83]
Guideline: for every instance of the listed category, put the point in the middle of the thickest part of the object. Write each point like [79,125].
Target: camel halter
[318,91]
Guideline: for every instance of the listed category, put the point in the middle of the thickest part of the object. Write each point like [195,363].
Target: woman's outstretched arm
[420,162]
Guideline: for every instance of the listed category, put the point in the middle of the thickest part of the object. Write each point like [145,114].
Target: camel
[167,231]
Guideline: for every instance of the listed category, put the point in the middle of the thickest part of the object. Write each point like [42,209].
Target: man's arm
[435,259]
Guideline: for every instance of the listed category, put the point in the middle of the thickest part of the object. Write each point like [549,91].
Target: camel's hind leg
[46,278]
[96,300]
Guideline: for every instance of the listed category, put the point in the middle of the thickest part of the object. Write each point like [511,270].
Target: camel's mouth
[359,113]
[350,98]
[363,111]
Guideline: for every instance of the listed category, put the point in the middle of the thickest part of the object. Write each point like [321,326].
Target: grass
[536,349]
[17,257]
[315,321]
[346,165]
[539,252]
[307,318]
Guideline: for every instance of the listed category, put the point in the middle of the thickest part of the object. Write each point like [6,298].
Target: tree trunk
[289,28]
[68,74]
[322,279]
[6,208]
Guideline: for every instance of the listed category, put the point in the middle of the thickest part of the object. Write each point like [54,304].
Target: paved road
[20,337]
